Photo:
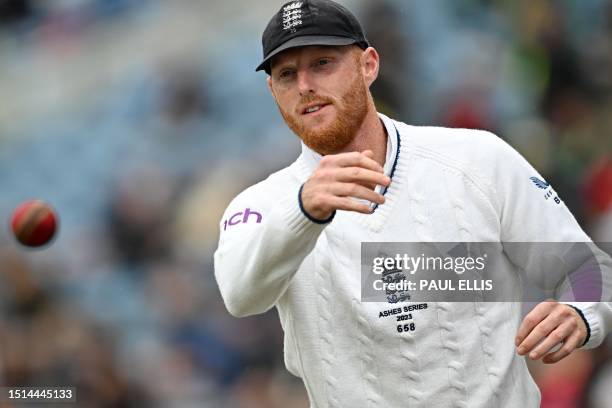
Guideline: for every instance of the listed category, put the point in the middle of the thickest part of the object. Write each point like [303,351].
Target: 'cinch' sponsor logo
[242,217]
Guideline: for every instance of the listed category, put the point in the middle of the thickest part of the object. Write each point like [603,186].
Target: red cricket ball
[34,223]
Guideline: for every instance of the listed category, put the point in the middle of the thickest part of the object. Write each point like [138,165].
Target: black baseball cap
[309,22]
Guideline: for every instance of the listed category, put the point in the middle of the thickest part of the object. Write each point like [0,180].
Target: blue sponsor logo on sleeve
[543,185]
[540,183]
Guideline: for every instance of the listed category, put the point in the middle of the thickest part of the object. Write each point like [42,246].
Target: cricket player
[292,241]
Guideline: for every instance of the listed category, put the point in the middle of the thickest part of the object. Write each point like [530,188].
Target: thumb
[368,153]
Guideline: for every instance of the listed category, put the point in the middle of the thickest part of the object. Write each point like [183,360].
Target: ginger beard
[351,109]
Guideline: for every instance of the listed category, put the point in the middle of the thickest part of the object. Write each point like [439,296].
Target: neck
[372,135]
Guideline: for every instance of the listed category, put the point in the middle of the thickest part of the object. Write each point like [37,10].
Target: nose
[304,82]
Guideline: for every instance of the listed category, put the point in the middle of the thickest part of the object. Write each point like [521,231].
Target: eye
[285,74]
[323,61]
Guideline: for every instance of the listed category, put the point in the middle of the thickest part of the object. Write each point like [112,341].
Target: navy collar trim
[397,153]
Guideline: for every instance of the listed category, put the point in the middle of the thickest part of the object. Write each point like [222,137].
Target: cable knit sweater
[448,185]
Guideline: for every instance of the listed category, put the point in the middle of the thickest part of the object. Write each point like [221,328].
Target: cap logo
[292,16]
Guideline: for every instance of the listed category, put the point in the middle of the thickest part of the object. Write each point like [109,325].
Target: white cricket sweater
[448,185]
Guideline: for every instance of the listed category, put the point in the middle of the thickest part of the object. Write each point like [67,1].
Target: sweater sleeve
[263,240]
[532,212]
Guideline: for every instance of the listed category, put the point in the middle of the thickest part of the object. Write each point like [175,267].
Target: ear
[370,64]
[269,82]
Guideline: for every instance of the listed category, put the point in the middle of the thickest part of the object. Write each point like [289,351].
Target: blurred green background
[139,120]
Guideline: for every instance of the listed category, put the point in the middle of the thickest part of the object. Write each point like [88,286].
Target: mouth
[314,108]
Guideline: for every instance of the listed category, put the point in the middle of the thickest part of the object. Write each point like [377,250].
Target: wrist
[586,324]
[323,220]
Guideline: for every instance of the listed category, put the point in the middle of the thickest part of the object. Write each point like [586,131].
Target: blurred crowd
[140,120]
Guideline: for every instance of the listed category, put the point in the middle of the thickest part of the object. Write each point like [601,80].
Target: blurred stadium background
[138,120]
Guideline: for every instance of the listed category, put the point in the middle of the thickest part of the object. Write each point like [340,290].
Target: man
[292,241]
